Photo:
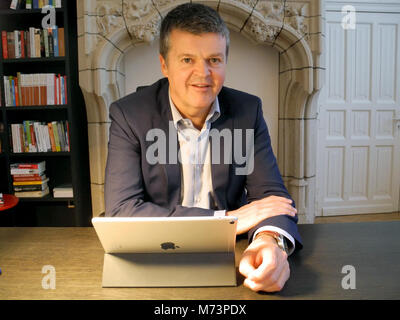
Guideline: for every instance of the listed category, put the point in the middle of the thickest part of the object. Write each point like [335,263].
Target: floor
[359,218]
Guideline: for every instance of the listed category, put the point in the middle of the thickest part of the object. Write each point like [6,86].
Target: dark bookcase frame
[61,167]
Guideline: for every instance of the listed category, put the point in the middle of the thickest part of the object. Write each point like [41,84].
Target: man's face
[195,67]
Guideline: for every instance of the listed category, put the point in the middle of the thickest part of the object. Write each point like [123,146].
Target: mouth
[201,86]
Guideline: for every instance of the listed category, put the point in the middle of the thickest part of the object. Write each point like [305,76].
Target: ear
[163,63]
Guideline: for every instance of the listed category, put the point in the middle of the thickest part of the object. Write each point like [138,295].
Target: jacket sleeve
[124,192]
[266,180]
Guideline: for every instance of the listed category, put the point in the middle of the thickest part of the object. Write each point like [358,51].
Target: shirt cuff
[220,213]
[280,231]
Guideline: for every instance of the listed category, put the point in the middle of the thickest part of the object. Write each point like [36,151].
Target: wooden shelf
[34,60]
[47,198]
[39,154]
[26,11]
[70,166]
[44,108]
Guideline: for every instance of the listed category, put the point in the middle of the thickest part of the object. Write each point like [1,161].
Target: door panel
[359,141]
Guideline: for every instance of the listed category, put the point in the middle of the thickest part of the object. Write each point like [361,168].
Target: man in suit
[177,115]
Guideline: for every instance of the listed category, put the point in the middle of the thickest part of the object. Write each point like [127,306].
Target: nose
[202,68]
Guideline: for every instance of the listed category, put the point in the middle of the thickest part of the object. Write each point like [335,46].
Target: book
[30,183]
[13,4]
[33,187]
[63,191]
[51,42]
[11,45]
[61,40]
[33,165]
[26,171]
[29,178]
[32,194]
[4,44]
[32,41]
[56,137]
[46,43]
[55,40]
[17,44]
[22,37]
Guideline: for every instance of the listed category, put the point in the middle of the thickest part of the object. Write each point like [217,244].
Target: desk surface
[372,248]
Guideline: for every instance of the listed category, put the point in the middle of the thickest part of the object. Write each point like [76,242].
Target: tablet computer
[166,234]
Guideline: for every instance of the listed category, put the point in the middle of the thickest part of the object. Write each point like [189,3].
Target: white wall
[251,68]
[255,69]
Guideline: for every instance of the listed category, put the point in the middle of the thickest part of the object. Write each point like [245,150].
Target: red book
[16,91]
[33,137]
[22,44]
[4,43]
[24,177]
[51,134]
[65,89]
[59,88]
[22,139]
[30,166]
[55,90]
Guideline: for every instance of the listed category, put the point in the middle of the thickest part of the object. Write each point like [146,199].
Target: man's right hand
[253,213]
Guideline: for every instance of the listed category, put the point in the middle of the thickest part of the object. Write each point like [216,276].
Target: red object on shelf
[10,201]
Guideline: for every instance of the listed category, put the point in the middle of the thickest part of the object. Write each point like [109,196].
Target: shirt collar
[213,114]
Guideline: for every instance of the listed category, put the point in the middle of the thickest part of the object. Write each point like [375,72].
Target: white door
[359,136]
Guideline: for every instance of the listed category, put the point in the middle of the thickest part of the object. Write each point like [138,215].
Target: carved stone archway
[107,29]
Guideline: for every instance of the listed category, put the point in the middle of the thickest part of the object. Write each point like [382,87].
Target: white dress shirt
[196,180]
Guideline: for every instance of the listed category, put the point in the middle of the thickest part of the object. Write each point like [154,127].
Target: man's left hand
[264,265]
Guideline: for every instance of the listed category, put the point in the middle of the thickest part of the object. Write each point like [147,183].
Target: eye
[186,60]
[215,60]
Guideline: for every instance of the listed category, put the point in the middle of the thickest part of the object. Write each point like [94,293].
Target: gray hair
[194,18]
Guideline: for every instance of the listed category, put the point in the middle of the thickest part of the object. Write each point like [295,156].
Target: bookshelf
[62,167]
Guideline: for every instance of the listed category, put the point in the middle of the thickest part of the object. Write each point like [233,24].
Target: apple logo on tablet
[168,245]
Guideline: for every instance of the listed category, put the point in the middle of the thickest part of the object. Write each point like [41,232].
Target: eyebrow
[192,55]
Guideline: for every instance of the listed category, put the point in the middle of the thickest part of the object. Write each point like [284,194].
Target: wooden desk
[373,249]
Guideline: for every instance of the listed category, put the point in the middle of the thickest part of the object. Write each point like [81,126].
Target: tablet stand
[169,269]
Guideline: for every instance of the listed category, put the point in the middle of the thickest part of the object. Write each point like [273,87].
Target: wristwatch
[280,240]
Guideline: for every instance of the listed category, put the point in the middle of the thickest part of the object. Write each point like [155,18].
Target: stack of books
[37,89]
[29,179]
[35,136]
[33,43]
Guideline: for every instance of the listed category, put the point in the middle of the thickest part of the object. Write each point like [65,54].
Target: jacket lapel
[220,170]
[172,168]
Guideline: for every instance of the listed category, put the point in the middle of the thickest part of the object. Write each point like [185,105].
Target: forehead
[180,40]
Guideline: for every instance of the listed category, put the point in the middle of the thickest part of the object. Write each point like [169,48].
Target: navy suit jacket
[134,187]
